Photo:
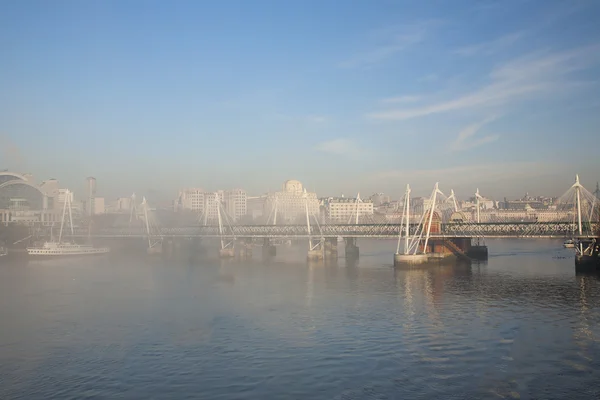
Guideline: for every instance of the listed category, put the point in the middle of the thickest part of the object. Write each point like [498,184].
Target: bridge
[453,229]
[441,231]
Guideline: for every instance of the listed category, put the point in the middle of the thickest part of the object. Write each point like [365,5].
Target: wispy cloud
[394,41]
[317,118]
[429,78]
[466,178]
[341,147]
[11,152]
[402,99]
[299,119]
[526,77]
[491,46]
[466,140]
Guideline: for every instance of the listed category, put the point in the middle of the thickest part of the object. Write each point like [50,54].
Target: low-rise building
[347,209]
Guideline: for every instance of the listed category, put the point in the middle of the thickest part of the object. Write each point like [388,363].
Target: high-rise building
[91,195]
[291,203]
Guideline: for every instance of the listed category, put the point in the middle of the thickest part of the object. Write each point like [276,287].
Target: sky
[361,96]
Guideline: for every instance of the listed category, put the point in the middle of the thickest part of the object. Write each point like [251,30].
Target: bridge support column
[317,253]
[331,250]
[350,248]
[405,260]
[268,250]
[168,246]
[197,247]
[245,248]
[477,250]
[227,252]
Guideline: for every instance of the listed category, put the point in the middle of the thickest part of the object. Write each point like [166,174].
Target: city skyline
[87,196]
[365,98]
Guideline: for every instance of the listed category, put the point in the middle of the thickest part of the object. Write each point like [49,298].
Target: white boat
[60,248]
[65,249]
[569,244]
[3,251]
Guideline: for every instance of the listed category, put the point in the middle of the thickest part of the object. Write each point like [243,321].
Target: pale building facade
[346,209]
[291,202]
[99,206]
[233,203]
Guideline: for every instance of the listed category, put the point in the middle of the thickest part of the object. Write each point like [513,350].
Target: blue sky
[501,95]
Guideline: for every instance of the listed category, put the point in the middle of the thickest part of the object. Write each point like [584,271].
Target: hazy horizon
[364,98]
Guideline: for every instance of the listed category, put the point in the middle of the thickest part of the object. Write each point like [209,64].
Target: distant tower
[91,195]
[597,192]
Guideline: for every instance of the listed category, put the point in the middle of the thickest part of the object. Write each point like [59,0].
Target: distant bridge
[461,229]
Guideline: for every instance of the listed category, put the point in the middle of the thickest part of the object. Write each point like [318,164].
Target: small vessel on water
[569,244]
[61,248]
[3,251]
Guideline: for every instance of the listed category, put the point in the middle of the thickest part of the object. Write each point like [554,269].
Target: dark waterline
[523,325]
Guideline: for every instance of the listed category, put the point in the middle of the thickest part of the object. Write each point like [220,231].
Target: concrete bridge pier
[168,246]
[330,248]
[227,252]
[268,250]
[317,253]
[350,248]
[477,251]
[196,246]
[245,248]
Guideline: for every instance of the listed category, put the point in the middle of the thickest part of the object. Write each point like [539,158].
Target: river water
[523,325]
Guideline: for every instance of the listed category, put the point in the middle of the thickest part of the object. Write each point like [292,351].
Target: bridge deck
[499,229]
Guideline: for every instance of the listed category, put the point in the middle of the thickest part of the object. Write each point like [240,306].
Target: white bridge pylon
[312,244]
[437,203]
[155,239]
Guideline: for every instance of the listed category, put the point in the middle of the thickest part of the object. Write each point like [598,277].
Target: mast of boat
[62,221]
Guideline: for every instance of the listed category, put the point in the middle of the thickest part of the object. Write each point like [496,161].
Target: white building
[291,202]
[62,197]
[123,204]
[233,202]
[346,209]
[191,199]
[99,206]
[255,207]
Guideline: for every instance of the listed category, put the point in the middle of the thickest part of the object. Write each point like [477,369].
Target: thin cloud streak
[522,78]
[396,41]
[465,139]
[340,147]
[466,178]
[402,99]
[490,47]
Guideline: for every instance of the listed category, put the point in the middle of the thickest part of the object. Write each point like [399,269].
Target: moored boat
[59,248]
[65,249]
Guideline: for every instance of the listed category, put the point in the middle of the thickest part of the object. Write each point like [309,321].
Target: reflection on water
[523,325]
